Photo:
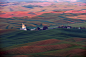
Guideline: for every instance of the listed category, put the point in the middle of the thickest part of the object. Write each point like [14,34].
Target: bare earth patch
[83,17]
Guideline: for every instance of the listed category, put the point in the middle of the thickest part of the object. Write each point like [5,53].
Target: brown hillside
[69,53]
[49,41]
[6,30]
[36,49]
[44,46]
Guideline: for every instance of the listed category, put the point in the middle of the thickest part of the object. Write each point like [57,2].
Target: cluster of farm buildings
[46,28]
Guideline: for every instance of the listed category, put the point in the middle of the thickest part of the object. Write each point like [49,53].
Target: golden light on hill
[23,26]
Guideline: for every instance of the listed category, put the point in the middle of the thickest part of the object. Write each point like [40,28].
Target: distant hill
[78,25]
[45,19]
[42,0]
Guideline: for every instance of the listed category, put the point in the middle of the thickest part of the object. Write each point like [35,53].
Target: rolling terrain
[39,14]
[21,9]
[46,19]
[69,42]
[54,42]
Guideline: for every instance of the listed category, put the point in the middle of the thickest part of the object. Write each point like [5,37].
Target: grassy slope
[78,25]
[20,37]
[27,38]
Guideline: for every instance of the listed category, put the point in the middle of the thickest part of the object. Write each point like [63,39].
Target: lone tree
[45,27]
[38,28]
[28,29]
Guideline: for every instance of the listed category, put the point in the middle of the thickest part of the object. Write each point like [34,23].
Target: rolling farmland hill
[54,42]
[46,19]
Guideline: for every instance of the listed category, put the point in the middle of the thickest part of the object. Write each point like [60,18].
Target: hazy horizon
[43,0]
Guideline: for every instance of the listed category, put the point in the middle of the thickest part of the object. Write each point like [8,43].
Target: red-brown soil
[49,41]
[36,49]
[79,39]
[25,13]
[6,30]
[0,29]
[77,52]
[3,25]
[46,45]
[22,56]
[69,53]
[83,17]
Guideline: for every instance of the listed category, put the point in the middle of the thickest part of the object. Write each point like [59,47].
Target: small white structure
[68,27]
[33,29]
[41,28]
[79,28]
[23,27]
